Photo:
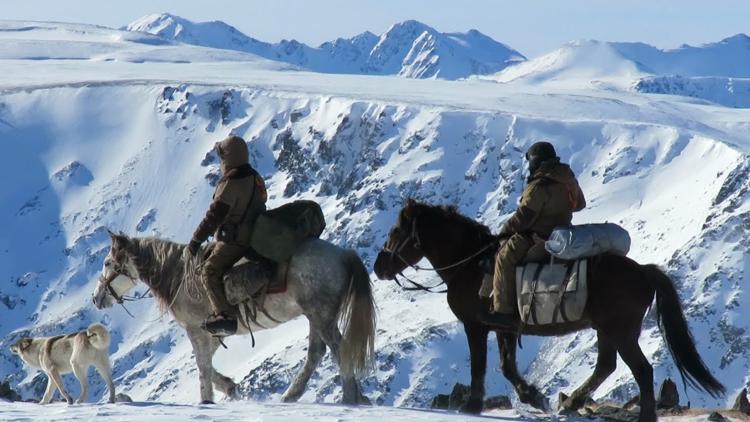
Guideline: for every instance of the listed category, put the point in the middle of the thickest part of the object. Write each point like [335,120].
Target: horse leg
[633,356]
[316,349]
[352,393]
[203,351]
[476,335]
[606,363]
[528,394]
[220,381]
[224,384]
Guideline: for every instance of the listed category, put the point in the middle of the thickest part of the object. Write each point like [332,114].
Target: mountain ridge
[409,48]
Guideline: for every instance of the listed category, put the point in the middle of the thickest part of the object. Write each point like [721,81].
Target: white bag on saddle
[588,240]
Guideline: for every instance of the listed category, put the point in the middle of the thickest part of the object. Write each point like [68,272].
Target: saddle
[552,293]
[252,279]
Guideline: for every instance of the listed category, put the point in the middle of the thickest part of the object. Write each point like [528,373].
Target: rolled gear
[586,240]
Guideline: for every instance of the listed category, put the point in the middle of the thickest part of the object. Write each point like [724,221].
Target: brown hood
[557,171]
[233,153]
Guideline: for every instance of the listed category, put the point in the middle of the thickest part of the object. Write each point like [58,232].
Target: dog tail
[98,336]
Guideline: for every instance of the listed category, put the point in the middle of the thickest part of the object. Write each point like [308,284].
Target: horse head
[403,247]
[119,275]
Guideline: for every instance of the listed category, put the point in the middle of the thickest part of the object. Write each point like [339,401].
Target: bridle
[414,237]
[121,299]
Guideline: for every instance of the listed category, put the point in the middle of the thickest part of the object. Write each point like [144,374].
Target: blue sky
[531,26]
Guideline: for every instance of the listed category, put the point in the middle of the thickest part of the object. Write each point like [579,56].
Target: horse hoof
[473,407]
[289,398]
[232,393]
[207,402]
[571,404]
[535,399]
[364,400]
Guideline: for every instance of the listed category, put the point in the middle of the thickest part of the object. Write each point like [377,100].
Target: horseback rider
[239,198]
[551,196]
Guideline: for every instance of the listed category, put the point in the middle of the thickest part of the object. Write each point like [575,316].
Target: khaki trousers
[222,258]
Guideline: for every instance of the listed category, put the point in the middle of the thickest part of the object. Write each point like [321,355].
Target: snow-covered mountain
[40,41]
[121,144]
[578,61]
[729,57]
[411,49]
[716,72]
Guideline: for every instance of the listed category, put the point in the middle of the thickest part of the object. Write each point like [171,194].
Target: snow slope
[715,72]
[37,41]
[730,92]
[672,171]
[411,49]
[578,61]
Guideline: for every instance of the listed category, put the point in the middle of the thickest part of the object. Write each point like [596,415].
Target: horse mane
[161,266]
[451,214]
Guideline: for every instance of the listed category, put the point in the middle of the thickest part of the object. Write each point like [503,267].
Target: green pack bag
[278,233]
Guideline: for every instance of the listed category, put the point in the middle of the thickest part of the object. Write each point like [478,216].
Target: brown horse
[620,293]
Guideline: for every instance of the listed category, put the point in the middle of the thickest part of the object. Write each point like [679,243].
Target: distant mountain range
[588,59]
[410,49]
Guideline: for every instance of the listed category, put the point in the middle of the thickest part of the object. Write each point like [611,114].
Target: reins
[418,245]
[121,299]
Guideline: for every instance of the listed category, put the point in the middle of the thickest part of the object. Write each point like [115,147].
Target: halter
[414,236]
[120,299]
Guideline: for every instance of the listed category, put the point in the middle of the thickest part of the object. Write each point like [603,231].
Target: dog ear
[24,344]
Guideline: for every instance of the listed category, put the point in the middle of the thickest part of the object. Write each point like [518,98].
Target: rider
[551,196]
[239,198]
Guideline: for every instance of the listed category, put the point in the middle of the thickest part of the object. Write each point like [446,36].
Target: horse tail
[357,316]
[680,341]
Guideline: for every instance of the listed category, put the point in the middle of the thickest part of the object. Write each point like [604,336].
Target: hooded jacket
[551,197]
[239,198]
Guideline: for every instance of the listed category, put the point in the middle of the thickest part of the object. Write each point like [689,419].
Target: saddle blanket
[559,292]
[248,280]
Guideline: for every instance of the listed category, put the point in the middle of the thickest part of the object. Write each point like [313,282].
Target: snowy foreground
[238,411]
[250,411]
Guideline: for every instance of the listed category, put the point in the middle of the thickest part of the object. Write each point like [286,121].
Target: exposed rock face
[668,396]
[7,393]
[741,404]
[123,398]
[717,417]
[459,397]
[497,402]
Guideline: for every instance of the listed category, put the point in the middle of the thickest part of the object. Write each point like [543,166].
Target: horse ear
[119,241]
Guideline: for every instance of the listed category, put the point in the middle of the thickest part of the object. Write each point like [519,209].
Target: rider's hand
[193,247]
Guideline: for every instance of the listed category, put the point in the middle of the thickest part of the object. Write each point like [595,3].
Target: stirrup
[220,326]
[511,321]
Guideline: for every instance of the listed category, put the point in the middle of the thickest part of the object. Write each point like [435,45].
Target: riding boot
[220,325]
[496,319]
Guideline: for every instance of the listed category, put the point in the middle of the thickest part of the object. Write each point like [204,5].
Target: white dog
[71,353]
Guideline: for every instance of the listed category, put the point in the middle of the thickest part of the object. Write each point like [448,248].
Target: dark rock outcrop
[741,403]
[669,398]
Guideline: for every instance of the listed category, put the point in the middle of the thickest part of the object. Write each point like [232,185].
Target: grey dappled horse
[325,283]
